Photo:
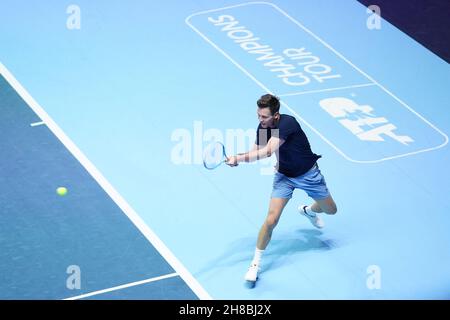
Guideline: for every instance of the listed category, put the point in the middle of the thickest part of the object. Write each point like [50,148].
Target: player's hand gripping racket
[214,155]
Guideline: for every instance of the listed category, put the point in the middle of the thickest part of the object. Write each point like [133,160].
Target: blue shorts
[312,182]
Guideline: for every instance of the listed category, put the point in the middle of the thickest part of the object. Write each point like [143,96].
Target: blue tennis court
[116,101]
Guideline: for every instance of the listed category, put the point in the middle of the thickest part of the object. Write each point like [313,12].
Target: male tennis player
[296,169]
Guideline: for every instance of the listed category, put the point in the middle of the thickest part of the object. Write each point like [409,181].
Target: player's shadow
[304,240]
[281,246]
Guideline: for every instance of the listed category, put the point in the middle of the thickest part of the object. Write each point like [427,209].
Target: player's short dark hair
[269,101]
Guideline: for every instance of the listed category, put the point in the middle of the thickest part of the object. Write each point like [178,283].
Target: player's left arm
[272,146]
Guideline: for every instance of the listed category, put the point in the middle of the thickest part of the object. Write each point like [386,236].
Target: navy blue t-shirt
[294,156]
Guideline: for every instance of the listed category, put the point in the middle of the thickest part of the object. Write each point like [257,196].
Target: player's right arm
[257,153]
[255,147]
[233,163]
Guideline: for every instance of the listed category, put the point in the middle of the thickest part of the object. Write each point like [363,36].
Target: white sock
[257,257]
[310,212]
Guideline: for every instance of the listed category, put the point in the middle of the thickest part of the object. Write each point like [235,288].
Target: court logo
[290,60]
[374,279]
[74,19]
[295,67]
[74,280]
[357,118]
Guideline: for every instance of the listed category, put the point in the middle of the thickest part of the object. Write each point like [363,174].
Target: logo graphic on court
[343,109]
[357,116]
[287,65]
[365,124]
[295,67]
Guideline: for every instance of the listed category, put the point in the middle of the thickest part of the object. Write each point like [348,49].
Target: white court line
[35,124]
[329,89]
[340,56]
[123,286]
[109,189]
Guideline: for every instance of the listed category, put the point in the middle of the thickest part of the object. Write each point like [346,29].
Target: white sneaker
[315,219]
[252,273]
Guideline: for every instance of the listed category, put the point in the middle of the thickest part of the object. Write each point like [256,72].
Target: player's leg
[313,211]
[315,186]
[276,207]
[326,205]
[281,193]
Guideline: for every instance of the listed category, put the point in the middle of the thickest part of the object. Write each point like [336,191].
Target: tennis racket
[214,155]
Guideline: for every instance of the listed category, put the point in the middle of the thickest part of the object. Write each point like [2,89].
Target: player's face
[266,119]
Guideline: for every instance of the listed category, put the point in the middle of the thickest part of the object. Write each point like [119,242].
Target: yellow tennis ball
[61,191]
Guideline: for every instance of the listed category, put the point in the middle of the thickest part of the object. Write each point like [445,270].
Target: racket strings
[214,155]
